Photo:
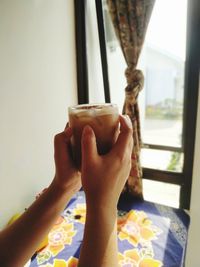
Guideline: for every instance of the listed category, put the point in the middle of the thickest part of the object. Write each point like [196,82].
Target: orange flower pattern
[60,235]
[135,258]
[134,226]
[79,213]
[72,262]
[137,228]
[149,235]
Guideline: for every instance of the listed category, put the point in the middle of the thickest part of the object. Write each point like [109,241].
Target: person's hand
[103,177]
[67,176]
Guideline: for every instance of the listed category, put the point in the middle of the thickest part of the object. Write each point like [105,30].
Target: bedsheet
[149,235]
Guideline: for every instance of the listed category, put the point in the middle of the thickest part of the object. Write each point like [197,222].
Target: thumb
[88,146]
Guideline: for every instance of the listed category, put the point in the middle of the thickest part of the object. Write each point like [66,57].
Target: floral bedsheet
[149,235]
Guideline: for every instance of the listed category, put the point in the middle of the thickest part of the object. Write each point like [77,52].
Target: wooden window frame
[191,88]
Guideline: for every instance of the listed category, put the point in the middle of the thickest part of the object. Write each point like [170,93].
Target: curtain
[130,19]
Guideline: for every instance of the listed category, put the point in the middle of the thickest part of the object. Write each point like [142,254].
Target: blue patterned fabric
[149,235]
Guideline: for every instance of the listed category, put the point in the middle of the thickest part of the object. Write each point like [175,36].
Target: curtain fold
[130,19]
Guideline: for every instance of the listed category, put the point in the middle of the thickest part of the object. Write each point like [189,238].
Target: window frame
[191,88]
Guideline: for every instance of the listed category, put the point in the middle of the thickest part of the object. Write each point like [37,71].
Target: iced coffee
[104,120]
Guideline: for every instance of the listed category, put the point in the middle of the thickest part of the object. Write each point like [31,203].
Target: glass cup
[104,120]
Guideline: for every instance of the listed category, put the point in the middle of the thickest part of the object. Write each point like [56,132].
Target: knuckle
[58,137]
[124,158]
[130,131]
[118,159]
[131,144]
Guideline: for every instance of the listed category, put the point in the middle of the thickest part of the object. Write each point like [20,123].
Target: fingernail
[68,130]
[128,120]
[66,126]
[127,116]
[87,130]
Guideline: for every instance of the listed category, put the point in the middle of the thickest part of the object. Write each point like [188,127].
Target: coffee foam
[94,110]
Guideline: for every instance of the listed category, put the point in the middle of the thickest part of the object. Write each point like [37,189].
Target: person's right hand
[103,177]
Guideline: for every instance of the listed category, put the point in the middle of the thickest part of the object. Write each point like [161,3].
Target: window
[168,102]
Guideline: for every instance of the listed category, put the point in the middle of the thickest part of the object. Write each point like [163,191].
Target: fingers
[67,133]
[61,144]
[67,126]
[88,146]
[125,139]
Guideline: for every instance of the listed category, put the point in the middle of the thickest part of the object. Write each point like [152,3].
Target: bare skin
[22,237]
[103,178]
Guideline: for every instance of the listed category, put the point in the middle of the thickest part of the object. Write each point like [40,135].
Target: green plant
[174,162]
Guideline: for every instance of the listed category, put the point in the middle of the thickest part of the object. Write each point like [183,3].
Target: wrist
[95,211]
[61,191]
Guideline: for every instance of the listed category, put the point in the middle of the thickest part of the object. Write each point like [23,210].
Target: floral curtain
[130,19]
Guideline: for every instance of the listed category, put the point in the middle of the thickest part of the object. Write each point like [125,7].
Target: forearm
[22,237]
[99,247]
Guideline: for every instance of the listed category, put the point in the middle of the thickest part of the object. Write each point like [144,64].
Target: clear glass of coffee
[104,120]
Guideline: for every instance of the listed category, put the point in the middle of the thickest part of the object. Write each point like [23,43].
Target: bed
[149,235]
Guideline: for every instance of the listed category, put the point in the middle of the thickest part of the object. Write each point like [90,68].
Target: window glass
[116,61]
[162,61]
[162,160]
[95,77]
[162,193]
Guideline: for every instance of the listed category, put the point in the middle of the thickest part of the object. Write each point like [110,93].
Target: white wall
[192,256]
[37,83]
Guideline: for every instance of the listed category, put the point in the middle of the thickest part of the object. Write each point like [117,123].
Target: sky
[167,27]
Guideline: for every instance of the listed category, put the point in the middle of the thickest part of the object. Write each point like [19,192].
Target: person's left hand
[67,176]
